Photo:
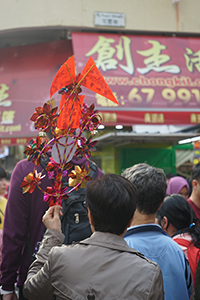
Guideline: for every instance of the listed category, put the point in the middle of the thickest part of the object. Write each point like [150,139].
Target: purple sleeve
[99,173]
[15,230]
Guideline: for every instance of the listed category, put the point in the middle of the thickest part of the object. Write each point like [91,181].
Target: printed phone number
[168,94]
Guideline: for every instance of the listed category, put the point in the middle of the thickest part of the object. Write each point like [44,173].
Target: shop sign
[126,118]
[26,74]
[146,73]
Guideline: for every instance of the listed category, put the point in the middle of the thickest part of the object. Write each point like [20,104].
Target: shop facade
[154,78]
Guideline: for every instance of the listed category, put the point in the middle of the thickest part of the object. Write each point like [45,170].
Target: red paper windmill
[65,79]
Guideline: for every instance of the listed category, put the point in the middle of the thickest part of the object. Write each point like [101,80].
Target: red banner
[15,141]
[128,118]
[26,74]
[148,74]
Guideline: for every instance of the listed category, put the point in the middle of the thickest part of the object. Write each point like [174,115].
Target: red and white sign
[156,80]
[14,141]
[26,74]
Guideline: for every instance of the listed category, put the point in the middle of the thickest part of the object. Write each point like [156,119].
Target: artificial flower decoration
[54,194]
[79,177]
[67,126]
[44,117]
[90,119]
[34,149]
[30,181]
[85,147]
[55,170]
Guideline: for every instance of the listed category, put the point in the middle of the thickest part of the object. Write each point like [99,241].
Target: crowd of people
[145,241]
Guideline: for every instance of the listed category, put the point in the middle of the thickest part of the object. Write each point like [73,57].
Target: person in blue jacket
[150,239]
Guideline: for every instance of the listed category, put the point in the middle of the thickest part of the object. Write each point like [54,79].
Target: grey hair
[151,185]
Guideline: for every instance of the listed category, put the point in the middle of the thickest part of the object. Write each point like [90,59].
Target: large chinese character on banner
[146,74]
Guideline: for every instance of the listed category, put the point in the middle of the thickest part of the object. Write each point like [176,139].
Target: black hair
[181,215]
[170,175]
[189,181]
[2,173]
[151,185]
[196,172]
[111,200]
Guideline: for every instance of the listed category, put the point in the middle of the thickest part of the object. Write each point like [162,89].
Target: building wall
[158,16]
[142,15]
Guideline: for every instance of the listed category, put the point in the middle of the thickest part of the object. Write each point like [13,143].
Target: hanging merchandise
[196,148]
[66,126]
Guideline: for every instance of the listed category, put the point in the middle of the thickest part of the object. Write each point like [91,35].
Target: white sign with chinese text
[109,19]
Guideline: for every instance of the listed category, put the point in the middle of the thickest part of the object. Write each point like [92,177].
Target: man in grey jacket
[102,266]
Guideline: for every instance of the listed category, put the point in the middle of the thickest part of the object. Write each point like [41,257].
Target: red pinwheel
[90,119]
[54,194]
[33,150]
[69,85]
[30,181]
[44,117]
[85,147]
[54,169]
[66,141]
[78,177]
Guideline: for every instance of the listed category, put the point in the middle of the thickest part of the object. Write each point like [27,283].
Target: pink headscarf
[175,184]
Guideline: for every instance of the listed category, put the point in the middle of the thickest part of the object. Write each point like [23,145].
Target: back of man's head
[111,200]
[151,185]
[196,172]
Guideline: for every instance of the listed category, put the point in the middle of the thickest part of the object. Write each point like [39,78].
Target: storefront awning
[119,139]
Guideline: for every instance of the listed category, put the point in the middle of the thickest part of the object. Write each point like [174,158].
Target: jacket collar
[111,241]
[145,228]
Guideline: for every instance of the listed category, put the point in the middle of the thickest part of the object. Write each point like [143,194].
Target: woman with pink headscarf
[178,185]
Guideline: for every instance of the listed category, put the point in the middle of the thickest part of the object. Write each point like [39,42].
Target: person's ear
[164,223]
[194,184]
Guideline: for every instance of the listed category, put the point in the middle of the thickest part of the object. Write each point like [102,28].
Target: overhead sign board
[155,79]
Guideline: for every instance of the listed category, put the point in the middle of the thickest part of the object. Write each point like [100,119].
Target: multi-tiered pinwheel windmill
[67,127]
